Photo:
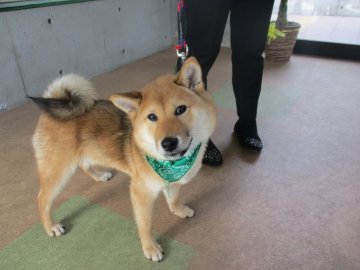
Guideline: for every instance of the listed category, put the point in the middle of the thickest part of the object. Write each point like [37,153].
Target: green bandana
[173,170]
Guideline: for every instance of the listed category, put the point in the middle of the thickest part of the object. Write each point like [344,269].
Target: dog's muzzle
[173,148]
[169,144]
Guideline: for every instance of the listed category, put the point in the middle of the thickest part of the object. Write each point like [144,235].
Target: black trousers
[249,22]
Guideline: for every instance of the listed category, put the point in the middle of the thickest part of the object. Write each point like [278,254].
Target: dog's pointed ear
[190,75]
[127,102]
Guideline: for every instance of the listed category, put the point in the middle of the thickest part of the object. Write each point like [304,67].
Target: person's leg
[249,22]
[206,20]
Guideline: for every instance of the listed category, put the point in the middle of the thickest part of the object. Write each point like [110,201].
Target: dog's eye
[152,117]
[180,110]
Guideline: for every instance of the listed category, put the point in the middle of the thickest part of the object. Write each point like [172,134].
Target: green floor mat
[97,238]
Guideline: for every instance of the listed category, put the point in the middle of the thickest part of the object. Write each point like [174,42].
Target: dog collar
[173,170]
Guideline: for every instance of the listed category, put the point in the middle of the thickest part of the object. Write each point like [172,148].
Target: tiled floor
[295,206]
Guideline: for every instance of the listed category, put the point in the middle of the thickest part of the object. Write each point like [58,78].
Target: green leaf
[274,33]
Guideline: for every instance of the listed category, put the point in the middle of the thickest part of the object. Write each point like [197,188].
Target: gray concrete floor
[294,206]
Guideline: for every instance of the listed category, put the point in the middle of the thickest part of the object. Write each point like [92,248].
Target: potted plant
[281,36]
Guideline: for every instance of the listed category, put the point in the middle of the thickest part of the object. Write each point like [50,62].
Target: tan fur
[108,137]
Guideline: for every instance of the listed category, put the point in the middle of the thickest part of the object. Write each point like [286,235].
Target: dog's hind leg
[176,207]
[52,181]
[97,173]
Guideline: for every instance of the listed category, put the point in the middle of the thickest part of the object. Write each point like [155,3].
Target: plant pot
[280,49]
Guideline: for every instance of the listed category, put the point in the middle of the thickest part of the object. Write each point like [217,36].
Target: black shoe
[212,155]
[248,136]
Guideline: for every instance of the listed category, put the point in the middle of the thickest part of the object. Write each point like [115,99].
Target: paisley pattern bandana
[173,170]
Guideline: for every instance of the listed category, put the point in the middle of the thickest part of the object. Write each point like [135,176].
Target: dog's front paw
[153,251]
[56,230]
[183,211]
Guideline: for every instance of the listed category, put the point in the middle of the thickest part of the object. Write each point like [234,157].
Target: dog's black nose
[169,144]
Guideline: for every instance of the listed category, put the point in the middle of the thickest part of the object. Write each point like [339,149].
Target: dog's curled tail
[67,97]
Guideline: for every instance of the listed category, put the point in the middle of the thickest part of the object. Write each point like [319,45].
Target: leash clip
[182,54]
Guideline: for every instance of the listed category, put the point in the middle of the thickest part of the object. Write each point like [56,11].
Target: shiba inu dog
[157,136]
